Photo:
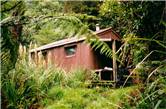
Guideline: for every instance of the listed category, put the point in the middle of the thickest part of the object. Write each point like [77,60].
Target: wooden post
[114,61]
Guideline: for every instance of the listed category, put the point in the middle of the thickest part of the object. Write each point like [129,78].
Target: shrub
[56,93]
[76,78]
[152,92]
[29,86]
[26,85]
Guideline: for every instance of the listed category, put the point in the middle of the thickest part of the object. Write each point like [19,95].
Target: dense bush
[30,86]
[27,84]
[84,98]
[152,92]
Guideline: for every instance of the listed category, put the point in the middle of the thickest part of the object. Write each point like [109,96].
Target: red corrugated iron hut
[74,53]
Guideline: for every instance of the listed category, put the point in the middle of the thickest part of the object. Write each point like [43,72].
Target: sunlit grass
[84,98]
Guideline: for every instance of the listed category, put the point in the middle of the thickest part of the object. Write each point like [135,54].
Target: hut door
[103,61]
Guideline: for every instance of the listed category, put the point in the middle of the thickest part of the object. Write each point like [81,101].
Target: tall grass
[30,86]
[77,78]
[27,84]
[152,92]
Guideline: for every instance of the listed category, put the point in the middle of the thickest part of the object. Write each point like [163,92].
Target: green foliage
[144,32]
[152,92]
[41,28]
[132,17]
[141,25]
[59,27]
[86,11]
[39,8]
[26,85]
[56,93]
[76,78]
[154,95]
[97,44]
[54,21]
[29,86]
[83,98]
[11,30]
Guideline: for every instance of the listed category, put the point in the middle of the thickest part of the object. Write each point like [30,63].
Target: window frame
[45,54]
[68,46]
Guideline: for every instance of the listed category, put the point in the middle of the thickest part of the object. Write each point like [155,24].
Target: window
[44,53]
[70,50]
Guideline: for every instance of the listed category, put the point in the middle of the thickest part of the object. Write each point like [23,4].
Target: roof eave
[74,40]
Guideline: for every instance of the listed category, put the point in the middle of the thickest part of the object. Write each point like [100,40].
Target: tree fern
[11,28]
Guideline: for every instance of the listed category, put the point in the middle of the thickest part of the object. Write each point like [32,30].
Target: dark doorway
[106,75]
[102,59]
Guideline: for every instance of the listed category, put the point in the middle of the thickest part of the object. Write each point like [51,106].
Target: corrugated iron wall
[83,58]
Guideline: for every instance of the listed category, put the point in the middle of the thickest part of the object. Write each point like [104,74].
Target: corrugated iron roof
[58,43]
[68,41]
[106,29]
[103,30]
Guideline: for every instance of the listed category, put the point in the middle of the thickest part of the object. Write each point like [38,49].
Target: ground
[85,98]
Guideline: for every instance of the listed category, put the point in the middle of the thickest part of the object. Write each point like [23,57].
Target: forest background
[140,24]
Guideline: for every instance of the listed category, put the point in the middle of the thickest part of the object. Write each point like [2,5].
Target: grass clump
[26,85]
[29,86]
[76,78]
[94,98]
[152,92]
[56,93]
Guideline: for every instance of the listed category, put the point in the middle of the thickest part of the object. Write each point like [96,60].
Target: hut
[74,53]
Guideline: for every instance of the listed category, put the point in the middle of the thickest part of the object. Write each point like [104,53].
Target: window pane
[70,50]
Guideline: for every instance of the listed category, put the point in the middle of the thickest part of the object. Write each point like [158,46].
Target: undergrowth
[31,87]
[25,86]
[84,98]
